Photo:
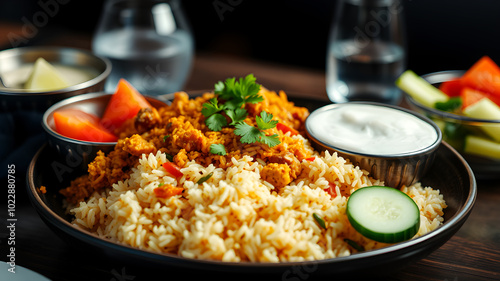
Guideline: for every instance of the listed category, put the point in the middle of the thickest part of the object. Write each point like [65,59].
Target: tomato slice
[123,105]
[452,88]
[284,128]
[166,191]
[76,124]
[484,75]
[172,169]
[331,190]
[471,96]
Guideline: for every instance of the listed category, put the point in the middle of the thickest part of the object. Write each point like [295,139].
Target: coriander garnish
[250,134]
[235,94]
[218,148]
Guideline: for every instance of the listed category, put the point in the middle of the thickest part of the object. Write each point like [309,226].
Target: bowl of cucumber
[466,107]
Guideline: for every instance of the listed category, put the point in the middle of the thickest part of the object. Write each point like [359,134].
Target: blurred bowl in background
[394,164]
[457,128]
[77,154]
[15,65]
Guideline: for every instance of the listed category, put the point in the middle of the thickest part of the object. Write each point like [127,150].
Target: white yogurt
[371,129]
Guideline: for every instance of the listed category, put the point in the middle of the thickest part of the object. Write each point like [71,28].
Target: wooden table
[472,254]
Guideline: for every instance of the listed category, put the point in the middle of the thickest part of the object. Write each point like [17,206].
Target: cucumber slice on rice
[383,214]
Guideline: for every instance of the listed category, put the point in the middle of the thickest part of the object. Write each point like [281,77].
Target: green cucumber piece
[485,109]
[419,89]
[451,105]
[383,214]
[482,146]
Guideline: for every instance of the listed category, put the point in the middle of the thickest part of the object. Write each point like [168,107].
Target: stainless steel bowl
[395,170]
[77,154]
[16,99]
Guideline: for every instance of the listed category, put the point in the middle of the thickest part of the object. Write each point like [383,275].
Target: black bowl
[450,173]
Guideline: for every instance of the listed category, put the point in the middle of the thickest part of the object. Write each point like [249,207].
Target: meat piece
[290,160]
[276,174]
[146,119]
[137,145]
[190,139]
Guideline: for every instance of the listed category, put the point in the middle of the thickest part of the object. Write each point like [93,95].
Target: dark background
[443,34]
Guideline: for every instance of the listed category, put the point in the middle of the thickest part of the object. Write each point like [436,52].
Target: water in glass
[156,59]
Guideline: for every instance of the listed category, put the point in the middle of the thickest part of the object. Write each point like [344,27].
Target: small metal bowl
[14,99]
[395,169]
[77,154]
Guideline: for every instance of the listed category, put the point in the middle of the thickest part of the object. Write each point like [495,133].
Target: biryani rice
[236,215]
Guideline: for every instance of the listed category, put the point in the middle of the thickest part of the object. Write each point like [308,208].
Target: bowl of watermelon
[78,127]
[465,104]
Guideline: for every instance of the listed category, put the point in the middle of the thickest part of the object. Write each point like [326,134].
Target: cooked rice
[236,216]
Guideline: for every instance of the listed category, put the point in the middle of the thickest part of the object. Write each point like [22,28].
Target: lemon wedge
[45,77]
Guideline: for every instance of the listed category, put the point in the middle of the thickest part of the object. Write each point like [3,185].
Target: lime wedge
[45,77]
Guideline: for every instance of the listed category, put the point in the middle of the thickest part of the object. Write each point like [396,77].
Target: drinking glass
[149,43]
[366,51]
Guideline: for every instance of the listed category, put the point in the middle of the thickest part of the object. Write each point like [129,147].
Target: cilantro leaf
[219,87]
[228,91]
[248,85]
[211,107]
[254,99]
[234,103]
[216,121]
[235,94]
[218,148]
[264,121]
[270,140]
[249,134]
[237,115]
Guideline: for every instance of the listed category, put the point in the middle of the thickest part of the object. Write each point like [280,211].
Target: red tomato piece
[484,75]
[172,169]
[310,159]
[167,191]
[452,88]
[76,124]
[123,105]
[284,128]
[471,96]
[331,190]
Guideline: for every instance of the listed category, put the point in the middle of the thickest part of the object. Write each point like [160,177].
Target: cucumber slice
[419,89]
[485,109]
[383,214]
[482,147]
